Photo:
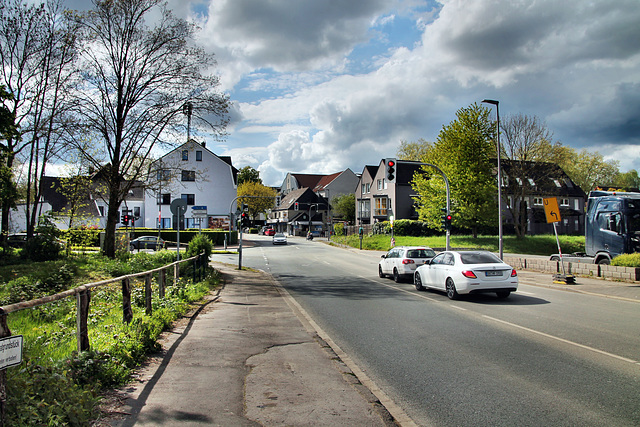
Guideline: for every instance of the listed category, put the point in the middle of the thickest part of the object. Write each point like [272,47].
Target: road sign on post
[178,208]
[551,210]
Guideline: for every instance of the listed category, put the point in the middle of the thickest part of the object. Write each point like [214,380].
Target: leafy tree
[262,199]
[416,151]
[589,170]
[344,206]
[248,174]
[137,80]
[8,131]
[628,180]
[465,152]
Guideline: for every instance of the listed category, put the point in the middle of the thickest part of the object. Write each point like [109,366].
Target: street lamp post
[500,245]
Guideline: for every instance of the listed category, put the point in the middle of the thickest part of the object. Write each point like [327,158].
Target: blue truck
[612,227]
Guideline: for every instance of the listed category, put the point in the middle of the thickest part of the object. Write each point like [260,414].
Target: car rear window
[479,258]
[421,253]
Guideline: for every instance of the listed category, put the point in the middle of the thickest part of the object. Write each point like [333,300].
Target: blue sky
[323,85]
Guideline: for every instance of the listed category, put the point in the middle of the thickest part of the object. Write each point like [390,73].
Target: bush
[339,229]
[42,247]
[199,244]
[627,260]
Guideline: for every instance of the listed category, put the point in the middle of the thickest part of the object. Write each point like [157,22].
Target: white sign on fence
[10,351]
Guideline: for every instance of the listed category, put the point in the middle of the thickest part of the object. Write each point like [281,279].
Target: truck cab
[612,225]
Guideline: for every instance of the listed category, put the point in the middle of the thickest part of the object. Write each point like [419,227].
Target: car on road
[279,239]
[147,242]
[401,262]
[269,232]
[467,272]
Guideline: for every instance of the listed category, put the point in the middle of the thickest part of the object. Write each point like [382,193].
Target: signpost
[552,212]
[178,208]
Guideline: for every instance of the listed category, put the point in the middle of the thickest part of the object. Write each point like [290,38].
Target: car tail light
[469,274]
[513,273]
[408,261]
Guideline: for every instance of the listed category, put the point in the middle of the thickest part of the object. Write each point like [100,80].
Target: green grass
[57,386]
[529,245]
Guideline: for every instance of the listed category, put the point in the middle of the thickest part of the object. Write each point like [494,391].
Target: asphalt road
[541,357]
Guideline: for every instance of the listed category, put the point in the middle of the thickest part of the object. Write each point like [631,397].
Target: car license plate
[493,273]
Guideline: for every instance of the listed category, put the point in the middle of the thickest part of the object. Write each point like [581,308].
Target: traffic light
[445,219]
[390,174]
[244,219]
[296,207]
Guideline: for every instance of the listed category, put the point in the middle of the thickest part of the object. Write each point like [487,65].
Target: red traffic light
[391,163]
[449,217]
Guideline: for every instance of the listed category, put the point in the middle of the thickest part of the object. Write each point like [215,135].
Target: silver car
[401,262]
[279,239]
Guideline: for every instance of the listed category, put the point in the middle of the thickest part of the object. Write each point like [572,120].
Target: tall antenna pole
[187,109]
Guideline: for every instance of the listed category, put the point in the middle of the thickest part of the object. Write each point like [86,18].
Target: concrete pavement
[245,358]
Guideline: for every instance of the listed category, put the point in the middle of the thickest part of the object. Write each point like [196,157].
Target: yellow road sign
[551,209]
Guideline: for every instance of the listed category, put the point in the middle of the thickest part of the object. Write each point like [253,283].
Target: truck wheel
[555,258]
[604,261]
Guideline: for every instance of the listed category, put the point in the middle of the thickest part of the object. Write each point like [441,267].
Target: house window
[368,187]
[164,199]
[136,212]
[101,210]
[564,202]
[190,198]
[191,223]
[164,175]
[531,181]
[188,175]
[166,223]
[382,204]
[538,201]
[557,183]
[384,184]
[379,184]
[185,155]
[519,181]
[362,189]
[576,204]
[198,156]
[505,181]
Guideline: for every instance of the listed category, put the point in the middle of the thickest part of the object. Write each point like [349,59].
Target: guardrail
[83,296]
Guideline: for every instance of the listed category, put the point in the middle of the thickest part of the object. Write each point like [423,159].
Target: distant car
[262,230]
[147,242]
[269,232]
[467,272]
[401,262]
[279,239]
[17,240]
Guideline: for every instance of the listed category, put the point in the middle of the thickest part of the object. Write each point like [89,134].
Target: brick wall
[576,268]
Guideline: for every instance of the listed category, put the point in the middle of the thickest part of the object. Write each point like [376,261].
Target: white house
[207,182]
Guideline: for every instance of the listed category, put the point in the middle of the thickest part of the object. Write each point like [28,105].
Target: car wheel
[503,294]
[380,273]
[451,289]
[131,248]
[396,276]
[417,282]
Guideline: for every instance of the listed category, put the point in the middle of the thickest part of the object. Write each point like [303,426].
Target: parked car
[467,272]
[401,262]
[147,242]
[279,239]
[262,230]
[269,232]
[17,240]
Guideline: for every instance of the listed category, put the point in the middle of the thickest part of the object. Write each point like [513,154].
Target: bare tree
[136,81]
[525,141]
[36,51]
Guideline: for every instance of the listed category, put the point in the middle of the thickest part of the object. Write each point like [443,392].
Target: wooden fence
[83,299]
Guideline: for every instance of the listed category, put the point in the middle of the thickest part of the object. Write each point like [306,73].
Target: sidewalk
[245,359]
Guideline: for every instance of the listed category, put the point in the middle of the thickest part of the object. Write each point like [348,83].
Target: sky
[319,86]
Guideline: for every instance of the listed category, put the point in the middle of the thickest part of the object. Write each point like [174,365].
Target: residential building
[299,211]
[377,199]
[526,184]
[205,181]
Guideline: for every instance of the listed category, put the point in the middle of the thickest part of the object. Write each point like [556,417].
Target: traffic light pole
[446,183]
[232,219]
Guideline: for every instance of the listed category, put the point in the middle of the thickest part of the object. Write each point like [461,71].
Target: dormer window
[185,155]
[531,181]
[557,183]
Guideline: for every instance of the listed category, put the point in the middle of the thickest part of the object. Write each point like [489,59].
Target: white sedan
[467,272]
[279,239]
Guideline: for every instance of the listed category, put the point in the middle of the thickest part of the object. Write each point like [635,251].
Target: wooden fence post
[127,312]
[83,299]
[161,283]
[147,294]
[4,332]
[176,274]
